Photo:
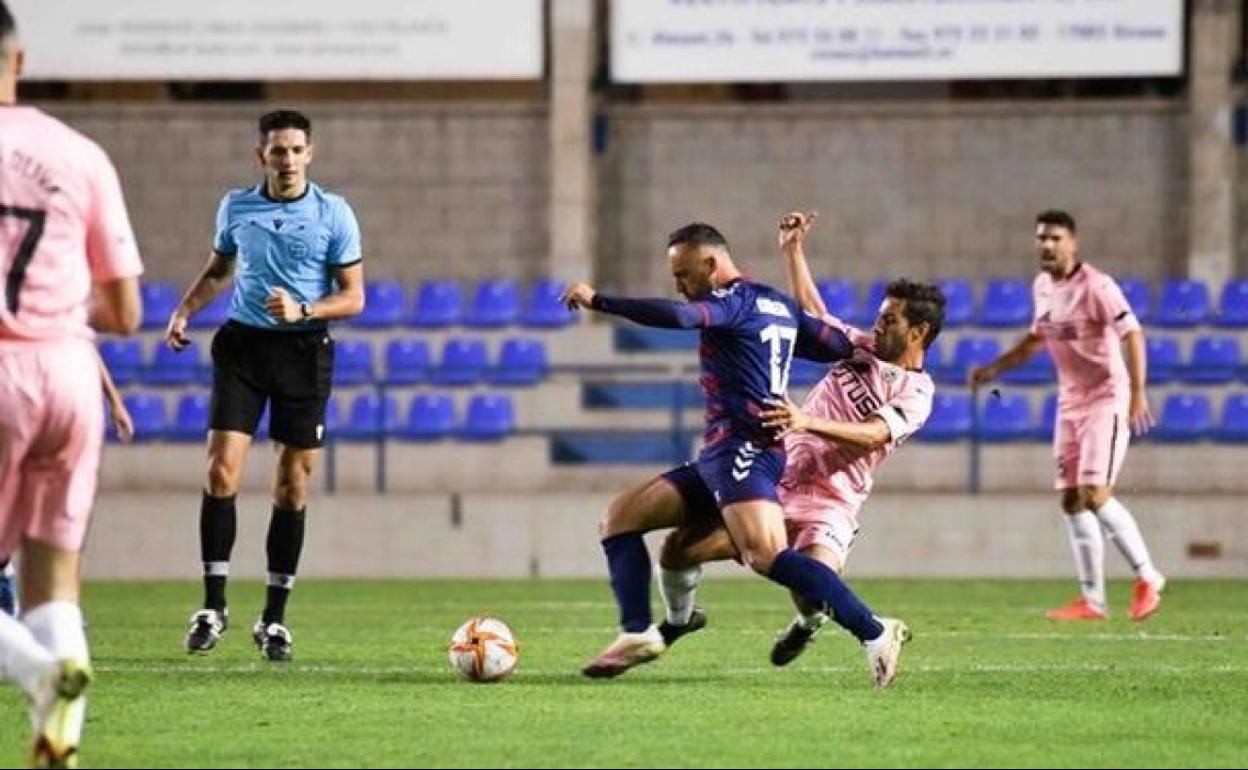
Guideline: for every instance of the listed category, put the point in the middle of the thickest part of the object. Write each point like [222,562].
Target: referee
[293,250]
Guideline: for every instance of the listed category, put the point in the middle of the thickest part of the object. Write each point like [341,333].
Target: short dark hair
[925,303]
[8,27]
[1057,218]
[697,234]
[279,119]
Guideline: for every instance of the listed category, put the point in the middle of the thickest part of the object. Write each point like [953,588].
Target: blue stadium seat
[1183,304]
[1185,418]
[1043,430]
[1139,296]
[870,308]
[959,302]
[490,417]
[262,426]
[430,416]
[353,362]
[1165,359]
[170,368]
[190,418]
[1007,302]
[159,300]
[1233,427]
[383,305]
[148,412]
[1233,307]
[1006,418]
[407,361]
[495,304]
[933,359]
[124,359]
[950,419]
[1037,370]
[542,308]
[841,297]
[803,372]
[465,361]
[521,361]
[369,419]
[438,304]
[215,313]
[970,351]
[1215,360]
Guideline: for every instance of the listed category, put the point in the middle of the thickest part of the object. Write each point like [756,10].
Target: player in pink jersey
[70,265]
[862,410]
[1098,348]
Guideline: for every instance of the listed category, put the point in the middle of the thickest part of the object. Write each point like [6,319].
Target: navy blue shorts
[732,471]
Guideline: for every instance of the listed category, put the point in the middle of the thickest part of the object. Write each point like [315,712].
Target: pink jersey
[1082,319]
[63,226]
[822,476]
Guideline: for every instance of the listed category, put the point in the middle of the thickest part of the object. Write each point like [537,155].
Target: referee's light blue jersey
[295,245]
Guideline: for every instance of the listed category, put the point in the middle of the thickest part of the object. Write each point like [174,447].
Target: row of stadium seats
[463,361]
[429,416]
[1005,303]
[433,305]
[1184,418]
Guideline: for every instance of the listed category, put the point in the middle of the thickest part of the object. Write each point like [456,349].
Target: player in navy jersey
[293,250]
[749,335]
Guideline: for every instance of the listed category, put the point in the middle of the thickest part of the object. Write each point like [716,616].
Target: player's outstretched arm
[217,273]
[820,341]
[794,227]
[1024,349]
[660,313]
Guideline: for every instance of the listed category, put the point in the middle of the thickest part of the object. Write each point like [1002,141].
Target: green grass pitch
[987,681]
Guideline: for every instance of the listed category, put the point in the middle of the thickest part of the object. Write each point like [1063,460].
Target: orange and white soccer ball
[483,650]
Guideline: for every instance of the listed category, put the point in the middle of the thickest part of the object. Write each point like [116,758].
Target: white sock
[1120,525]
[679,586]
[23,660]
[58,627]
[1088,547]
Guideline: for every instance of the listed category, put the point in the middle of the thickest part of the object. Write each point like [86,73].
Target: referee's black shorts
[292,370]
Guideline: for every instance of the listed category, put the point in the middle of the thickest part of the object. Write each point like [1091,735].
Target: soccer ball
[483,650]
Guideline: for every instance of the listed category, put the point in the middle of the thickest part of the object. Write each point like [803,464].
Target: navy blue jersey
[750,333]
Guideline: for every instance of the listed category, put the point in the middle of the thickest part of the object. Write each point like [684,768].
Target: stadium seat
[1139,296]
[933,359]
[464,362]
[521,361]
[1037,370]
[190,419]
[1215,360]
[262,425]
[1007,302]
[369,419]
[1165,359]
[170,368]
[1185,418]
[490,417]
[950,419]
[215,313]
[1043,429]
[407,361]
[803,372]
[542,308]
[159,300]
[495,304]
[438,304]
[1183,304]
[430,416]
[353,362]
[383,305]
[1233,306]
[1233,427]
[841,298]
[970,352]
[148,412]
[1006,418]
[124,359]
[959,302]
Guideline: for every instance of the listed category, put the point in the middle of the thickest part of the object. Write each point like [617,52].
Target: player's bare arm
[1139,413]
[1024,349]
[787,417]
[348,301]
[116,306]
[791,237]
[217,273]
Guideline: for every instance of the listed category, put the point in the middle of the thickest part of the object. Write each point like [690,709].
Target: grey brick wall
[925,189]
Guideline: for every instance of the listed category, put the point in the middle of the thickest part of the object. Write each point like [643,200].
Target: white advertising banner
[281,39]
[692,41]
